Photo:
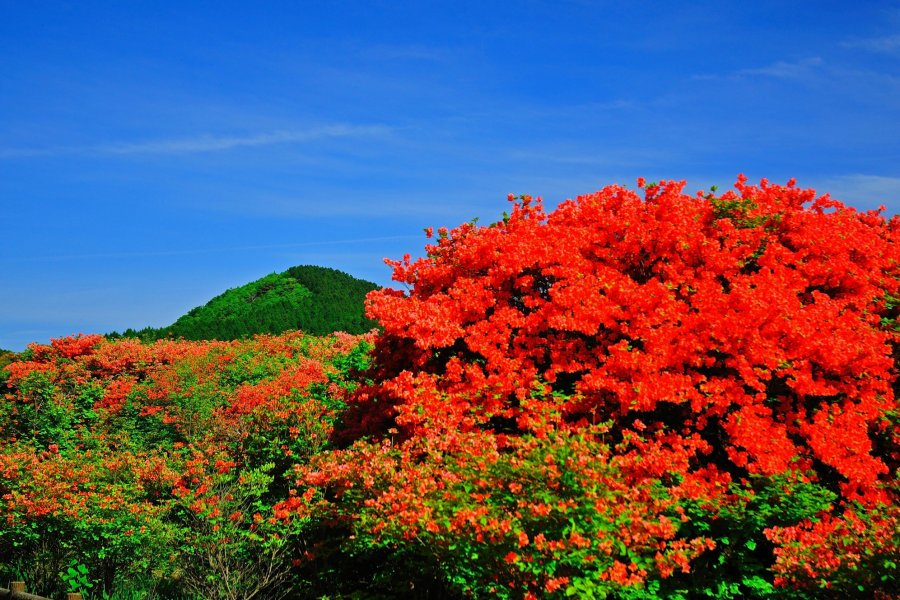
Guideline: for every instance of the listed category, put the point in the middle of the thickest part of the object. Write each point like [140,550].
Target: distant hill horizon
[317,300]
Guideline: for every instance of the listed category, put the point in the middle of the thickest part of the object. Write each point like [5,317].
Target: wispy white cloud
[781,69]
[888,44]
[195,251]
[583,110]
[335,199]
[204,143]
[865,192]
[785,69]
[409,52]
[207,143]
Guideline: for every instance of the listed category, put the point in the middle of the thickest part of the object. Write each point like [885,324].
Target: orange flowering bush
[844,554]
[754,319]
[729,341]
[155,467]
[509,518]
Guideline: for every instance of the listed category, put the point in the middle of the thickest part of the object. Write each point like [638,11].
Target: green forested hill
[317,300]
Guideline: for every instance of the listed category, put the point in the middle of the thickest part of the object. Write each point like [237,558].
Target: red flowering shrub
[746,335]
[752,319]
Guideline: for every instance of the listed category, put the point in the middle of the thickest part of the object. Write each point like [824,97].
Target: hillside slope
[316,300]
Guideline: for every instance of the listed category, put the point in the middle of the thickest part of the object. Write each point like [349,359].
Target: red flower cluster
[753,320]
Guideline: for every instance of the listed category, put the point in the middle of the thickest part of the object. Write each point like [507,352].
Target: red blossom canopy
[757,324]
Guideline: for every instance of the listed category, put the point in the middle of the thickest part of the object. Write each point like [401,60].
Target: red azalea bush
[734,344]
[751,319]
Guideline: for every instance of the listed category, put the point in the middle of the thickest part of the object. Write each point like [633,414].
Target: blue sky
[154,154]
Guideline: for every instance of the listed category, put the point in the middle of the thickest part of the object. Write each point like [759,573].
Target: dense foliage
[152,469]
[316,300]
[632,396]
